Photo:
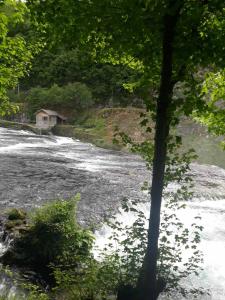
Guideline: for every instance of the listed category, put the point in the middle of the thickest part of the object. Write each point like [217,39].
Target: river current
[35,169]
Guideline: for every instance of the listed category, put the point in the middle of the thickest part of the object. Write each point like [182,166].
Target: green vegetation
[15,51]
[170,41]
[159,49]
[124,254]
[213,90]
[71,96]
[62,66]
[32,293]
[52,233]
[72,70]
[58,249]
[98,126]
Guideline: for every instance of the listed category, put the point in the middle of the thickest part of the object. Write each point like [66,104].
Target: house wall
[43,120]
[52,120]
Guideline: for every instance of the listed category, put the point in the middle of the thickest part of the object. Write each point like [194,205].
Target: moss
[9,225]
[16,214]
[52,233]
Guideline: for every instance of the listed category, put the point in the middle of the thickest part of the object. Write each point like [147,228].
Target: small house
[46,118]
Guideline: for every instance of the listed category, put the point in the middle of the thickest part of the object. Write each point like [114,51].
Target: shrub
[77,95]
[54,236]
[73,95]
[54,245]
[16,96]
[120,261]
[36,99]
[179,255]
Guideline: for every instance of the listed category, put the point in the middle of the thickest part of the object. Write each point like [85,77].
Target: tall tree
[15,52]
[64,66]
[170,41]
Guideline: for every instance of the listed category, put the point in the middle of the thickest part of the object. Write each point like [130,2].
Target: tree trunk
[147,288]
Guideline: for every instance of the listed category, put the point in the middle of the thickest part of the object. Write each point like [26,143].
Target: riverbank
[22,126]
[97,126]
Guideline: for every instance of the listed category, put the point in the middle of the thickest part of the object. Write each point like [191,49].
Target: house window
[45,119]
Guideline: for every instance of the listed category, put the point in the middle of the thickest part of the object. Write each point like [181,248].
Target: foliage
[213,91]
[175,238]
[80,283]
[135,40]
[23,288]
[34,292]
[120,261]
[169,41]
[63,66]
[58,249]
[71,96]
[179,255]
[129,242]
[15,52]
[54,234]
[16,97]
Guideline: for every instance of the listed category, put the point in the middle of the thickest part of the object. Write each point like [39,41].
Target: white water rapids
[34,169]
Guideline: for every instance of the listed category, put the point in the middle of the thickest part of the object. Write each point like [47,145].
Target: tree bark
[147,288]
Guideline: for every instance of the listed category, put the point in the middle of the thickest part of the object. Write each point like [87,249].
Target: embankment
[98,126]
[22,126]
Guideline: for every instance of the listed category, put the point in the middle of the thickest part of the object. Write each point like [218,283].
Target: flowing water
[35,169]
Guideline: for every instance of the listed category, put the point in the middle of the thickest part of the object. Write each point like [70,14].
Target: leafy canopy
[15,52]
[62,66]
[130,33]
[213,91]
[71,96]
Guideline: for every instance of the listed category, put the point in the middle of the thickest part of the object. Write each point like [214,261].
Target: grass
[98,126]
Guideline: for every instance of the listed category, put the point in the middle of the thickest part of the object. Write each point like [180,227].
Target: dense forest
[71,78]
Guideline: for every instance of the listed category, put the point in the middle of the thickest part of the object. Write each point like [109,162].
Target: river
[35,169]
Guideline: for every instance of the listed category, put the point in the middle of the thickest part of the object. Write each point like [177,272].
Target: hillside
[98,126]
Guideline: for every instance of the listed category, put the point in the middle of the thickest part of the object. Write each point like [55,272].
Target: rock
[12,224]
[16,214]
[8,258]
[24,229]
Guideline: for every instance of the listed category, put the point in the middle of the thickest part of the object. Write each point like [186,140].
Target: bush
[73,96]
[77,95]
[15,96]
[54,236]
[121,259]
